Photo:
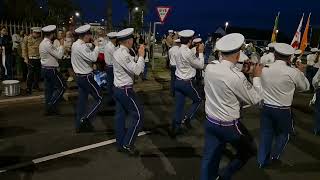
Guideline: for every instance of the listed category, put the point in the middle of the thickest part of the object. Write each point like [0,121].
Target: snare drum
[11,87]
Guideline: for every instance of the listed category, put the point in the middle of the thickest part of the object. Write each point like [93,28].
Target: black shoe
[187,124]
[38,88]
[28,92]
[85,126]
[276,163]
[131,151]
[52,112]
[174,132]
[186,121]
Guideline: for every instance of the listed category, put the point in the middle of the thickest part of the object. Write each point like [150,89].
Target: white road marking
[66,153]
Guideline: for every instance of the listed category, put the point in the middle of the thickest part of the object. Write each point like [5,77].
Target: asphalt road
[25,134]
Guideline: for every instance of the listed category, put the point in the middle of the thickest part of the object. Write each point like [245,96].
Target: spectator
[208,49]
[21,67]
[146,60]
[8,62]
[164,48]
[30,53]
[67,55]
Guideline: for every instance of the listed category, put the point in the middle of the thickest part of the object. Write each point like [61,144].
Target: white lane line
[66,153]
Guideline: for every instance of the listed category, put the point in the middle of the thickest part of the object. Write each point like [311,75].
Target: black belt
[125,87]
[222,123]
[83,75]
[49,67]
[276,107]
[184,79]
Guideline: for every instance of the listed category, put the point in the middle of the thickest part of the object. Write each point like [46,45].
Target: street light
[40,7]
[102,20]
[226,26]
[136,8]
[77,14]
[277,31]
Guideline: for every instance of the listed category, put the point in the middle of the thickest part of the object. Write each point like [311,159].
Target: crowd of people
[20,58]
[234,78]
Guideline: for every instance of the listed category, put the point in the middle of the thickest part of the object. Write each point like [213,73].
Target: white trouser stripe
[135,128]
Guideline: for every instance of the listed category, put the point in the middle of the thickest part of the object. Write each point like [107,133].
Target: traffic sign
[163,12]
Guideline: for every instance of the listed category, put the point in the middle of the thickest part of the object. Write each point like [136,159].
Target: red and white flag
[297,37]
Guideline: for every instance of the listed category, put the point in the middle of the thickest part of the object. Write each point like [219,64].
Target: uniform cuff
[141,58]
[256,81]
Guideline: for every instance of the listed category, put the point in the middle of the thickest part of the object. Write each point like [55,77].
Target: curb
[38,98]
[29,99]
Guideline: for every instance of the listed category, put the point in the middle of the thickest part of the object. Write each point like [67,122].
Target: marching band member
[127,103]
[173,56]
[82,58]
[279,83]
[225,88]
[110,48]
[187,64]
[54,83]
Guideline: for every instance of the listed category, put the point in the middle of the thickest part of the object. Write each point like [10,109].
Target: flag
[304,41]
[297,37]
[275,28]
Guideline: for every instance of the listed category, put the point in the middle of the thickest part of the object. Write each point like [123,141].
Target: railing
[14,27]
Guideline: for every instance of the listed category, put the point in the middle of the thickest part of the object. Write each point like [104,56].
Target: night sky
[205,16]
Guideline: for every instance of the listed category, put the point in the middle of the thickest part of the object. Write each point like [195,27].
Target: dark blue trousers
[183,89]
[87,85]
[55,86]
[275,124]
[10,66]
[216,137]
[317,113]
[110,78]
[145,71]
[310,73]
[173,78]
[34,73]
[127,106]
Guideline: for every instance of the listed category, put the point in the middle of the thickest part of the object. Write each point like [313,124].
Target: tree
[28,10]
[59,11]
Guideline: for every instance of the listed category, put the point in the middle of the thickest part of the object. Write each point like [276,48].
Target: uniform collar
[47,39]
[184,45]
[81,41]
[228,63]
[112,44]
[122,46]
[280,62]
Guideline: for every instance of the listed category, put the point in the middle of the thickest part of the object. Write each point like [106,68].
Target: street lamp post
[77,17]
[226,26]
[153,41]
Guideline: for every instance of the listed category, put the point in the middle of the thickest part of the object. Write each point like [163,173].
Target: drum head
[10,82]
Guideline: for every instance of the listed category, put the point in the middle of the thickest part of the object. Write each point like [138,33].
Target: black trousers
[34,74]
